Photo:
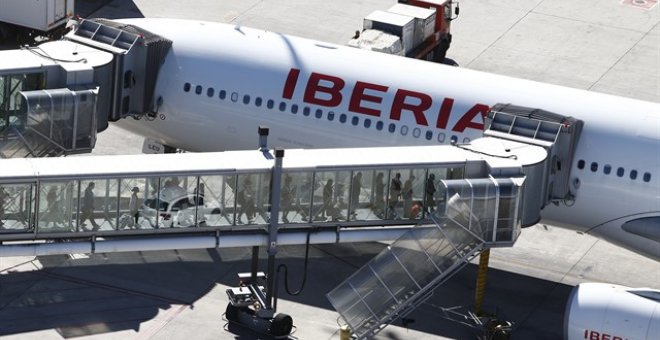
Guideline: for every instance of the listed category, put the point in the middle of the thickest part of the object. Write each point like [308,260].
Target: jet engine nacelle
[600,311]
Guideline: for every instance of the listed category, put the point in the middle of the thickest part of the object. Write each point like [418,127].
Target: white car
[178,212]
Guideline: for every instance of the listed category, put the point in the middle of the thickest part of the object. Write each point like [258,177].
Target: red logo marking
[367,98]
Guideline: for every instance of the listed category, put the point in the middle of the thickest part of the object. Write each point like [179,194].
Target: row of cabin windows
[620,171]
[318,113]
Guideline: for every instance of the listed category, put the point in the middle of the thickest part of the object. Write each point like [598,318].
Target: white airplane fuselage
[220,82]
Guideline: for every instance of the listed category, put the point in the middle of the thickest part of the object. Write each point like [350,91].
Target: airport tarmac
[609,46]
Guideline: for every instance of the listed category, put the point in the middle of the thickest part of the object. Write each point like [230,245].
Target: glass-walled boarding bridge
[230,191]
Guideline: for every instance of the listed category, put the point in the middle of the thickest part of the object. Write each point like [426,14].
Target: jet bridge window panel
[432,187]
[132,195]
[486,207]
[253,198]
[215,200]
[358,198]
[66,117]
[17,204]
[12,105]
[296,197]
[58,207]
[406,195]
[99,209]
[331,195]
[509,221]
[175,206]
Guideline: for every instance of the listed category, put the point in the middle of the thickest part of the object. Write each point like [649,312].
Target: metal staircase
[28,143]
[407,272]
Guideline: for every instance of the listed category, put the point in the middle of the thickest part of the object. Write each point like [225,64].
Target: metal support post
[481,280]
[255,264]
[273,226]
[263,138]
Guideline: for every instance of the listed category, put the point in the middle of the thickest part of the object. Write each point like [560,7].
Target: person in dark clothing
[88,207]
[430,192]
[395,194]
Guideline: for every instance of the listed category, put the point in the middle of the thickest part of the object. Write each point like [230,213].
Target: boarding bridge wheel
[248,308]
[279,327]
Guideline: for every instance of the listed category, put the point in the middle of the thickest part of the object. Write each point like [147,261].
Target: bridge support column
[481,280]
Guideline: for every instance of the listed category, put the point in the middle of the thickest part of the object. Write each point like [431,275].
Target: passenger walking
[327,208]
[288,194]
[88,208]
[430,194]
[134,206]
[395,193]
[52,214]
[245,199]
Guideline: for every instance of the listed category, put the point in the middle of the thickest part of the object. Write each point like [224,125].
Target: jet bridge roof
[247,161]
[63,53]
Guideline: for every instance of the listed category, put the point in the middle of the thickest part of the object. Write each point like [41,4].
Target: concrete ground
[607,46]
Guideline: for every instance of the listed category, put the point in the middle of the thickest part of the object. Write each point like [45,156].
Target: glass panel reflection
[16,207]
[99,204]
[58,203]
[295,197]
[132,197]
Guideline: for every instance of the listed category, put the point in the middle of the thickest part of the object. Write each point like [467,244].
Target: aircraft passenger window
[367,123]
[441,137]
[306,111]
[417,132]
[331,116]
[342,118]
[391,128]
[581,164]
[355,121]
[607,169]
[186,87]
[222,94]
[647,177]
[257,101]
[282,106]
[246,99]
[429,135]
[319,113]
[619,172]
[210,92]
[594,166]
[379,125]
[404,130]
[294,108]
[270,103]
[234,97]
[198,89]
[633,174]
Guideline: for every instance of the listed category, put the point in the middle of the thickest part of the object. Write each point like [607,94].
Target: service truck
[413,28]
[22,20]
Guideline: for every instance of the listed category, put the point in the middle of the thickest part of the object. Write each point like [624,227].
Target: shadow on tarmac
[106,293]
[112,9]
